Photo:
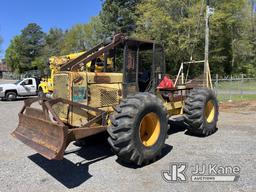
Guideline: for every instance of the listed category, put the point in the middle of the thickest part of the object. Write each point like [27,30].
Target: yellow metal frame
[68,85]
[56,62]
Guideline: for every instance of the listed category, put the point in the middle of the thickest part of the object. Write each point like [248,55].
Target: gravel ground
[95,168]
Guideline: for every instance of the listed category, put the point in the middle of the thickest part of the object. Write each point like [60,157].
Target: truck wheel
[10,96]
[138,129]
[41,92]
[201,111]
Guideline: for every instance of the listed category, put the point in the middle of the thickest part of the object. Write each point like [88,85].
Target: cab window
[28,82]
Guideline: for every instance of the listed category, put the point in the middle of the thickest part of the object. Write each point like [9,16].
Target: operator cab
[144,65]
[141,62]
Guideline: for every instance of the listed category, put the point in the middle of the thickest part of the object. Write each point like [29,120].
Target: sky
[17,14]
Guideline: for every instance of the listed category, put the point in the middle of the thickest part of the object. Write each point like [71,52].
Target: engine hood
[8,86]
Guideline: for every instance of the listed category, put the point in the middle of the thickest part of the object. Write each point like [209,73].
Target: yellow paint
[104,95]
[209,111]
[174,108]
[96,94]
[100,68]
[109,121]
[113,77]
[149,129]
[55,63]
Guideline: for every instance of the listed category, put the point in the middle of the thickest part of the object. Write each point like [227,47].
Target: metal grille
[108,97]
[103,95]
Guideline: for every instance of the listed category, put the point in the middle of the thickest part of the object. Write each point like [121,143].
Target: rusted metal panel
[62,90]
[36,113]
[94,89]
[45,137]
[77,115]
[104,78]
[62,86]
[46,133]
[80,133]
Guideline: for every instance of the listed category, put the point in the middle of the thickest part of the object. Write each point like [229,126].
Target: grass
[237,85]
[245,97]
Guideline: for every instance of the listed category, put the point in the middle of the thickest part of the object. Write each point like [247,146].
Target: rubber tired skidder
[132,100]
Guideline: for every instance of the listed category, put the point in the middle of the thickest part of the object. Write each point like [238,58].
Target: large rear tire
[201,111]
[138,129]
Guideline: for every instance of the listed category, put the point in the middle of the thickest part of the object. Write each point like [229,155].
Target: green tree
[25,48]
[178,25]
[32,44]
[53,42]
[174,24]
[118,16]
[12,54]
[82,37]
[231,44]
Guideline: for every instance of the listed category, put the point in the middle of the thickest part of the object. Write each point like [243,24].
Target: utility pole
[207,76]
[253,14]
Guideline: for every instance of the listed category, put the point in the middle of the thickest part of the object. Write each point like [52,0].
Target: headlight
[1,89]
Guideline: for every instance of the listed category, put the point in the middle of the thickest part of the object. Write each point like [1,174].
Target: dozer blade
[39,132]
[43,130]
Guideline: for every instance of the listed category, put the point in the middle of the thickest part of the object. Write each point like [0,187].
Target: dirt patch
[238,106]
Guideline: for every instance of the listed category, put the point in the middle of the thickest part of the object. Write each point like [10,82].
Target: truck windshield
[17,82]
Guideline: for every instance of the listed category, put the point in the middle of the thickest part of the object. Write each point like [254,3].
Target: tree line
[177,24]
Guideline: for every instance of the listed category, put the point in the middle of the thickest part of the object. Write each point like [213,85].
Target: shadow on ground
[178,125]
[71,174]
[200,136]
[94,149]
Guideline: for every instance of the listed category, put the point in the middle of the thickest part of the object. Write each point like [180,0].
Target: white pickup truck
[21,88]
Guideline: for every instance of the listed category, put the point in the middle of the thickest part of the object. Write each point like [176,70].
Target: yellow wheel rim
[209,111]
[149,129]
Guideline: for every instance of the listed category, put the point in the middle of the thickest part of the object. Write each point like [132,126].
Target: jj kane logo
[178,172]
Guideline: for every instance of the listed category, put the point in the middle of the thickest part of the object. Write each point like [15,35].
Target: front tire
[138,129]
[201,111]
[11,96]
